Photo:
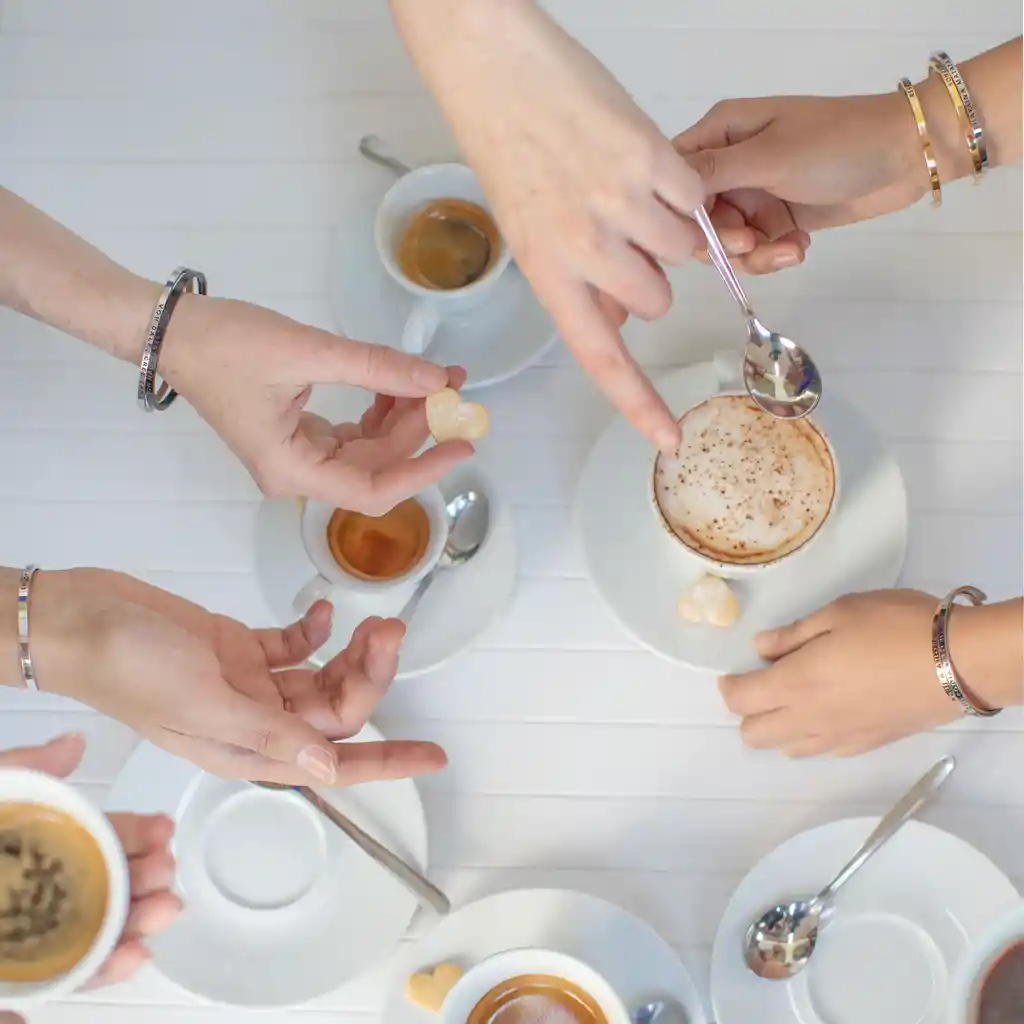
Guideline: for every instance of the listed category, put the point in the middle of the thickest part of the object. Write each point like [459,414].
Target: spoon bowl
[648,1013]
[779,375]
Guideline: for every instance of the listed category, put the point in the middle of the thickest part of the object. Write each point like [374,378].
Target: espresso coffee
[53,892]
[448,244]
[744,488]
[537,999]
[1001,993]
[379,547]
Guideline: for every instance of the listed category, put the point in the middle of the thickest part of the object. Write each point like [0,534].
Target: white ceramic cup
[403,200]
[741,570]
[19,785]
[331,580]
[974,967]
[479,980]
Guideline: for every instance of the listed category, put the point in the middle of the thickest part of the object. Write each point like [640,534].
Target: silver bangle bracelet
[151,400]
[28,674]
[940,652]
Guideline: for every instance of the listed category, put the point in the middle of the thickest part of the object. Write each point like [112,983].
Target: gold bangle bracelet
[926,143]
[966,115]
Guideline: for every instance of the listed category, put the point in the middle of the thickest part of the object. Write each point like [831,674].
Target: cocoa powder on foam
[744,487]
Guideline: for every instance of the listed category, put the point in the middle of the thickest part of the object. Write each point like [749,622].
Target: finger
[757,692]
[456,377]
[59,756]
[628,276]
[809,746]
[392,759]
[666,235]
[771,257]
[122,964]
[374,417]
[773,644]
[152,915]
[141,833]
[772,729]
[150,872]
[598,347]
[676,182]
[329,359]
[754,163]
[728,121]
[612,309]
[404,434]
[10,1018]
[295,643]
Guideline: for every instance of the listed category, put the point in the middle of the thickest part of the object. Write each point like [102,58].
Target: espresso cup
[480,980]
[976,967]
[22,786]
[671,471]
[403,201]
[332,581]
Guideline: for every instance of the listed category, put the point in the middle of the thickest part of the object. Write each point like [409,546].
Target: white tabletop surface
[222,133]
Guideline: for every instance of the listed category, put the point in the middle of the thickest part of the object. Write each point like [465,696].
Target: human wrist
[986,647]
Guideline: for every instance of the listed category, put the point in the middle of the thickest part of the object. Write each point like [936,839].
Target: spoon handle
[721,261]
[918,795]
[410,606]
[422,888]
[369,146]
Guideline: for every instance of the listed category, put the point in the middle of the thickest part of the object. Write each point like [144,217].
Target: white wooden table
[223,132]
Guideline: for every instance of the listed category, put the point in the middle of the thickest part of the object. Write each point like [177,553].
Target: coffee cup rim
[451,296]
[430,499]
[733,570]
[25,785]
[1001,935]
[506,964]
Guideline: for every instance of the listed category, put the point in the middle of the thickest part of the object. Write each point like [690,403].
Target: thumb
[277,735]
[60,757]
[743,165]
[378,368]
[773,644]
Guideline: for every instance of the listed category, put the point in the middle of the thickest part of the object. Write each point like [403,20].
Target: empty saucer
[641,572]
[280,906]
[458,607]
[493,342]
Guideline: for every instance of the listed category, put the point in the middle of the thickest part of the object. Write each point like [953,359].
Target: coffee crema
[1001,993]
[744,488]
[448,244]
[53,892]
[378,548]
[537,999]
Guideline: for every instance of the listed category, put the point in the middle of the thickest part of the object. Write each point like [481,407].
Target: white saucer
[507,334]
[901,927]
[457,608]
[280,906]
[640,572]
[638,963]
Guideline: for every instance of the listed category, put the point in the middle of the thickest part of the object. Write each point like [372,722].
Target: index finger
[374,367]
[587,330]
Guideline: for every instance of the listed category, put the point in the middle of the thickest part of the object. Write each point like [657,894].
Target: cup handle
[728,369]
[420,328]
[317,589]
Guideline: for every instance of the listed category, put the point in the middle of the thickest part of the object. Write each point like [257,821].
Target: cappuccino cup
[539,985]
[744,491]
[437,239]
[988,985]
[366,555]
[64,890]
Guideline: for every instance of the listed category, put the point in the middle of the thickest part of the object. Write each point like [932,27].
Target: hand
[249,373]
[851,677]
[587,191]
[786,166]
[209,689]
[151,868]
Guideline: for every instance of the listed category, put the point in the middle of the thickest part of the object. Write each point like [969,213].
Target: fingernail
[317,762]
[767,639]
[785,259]
[667,439]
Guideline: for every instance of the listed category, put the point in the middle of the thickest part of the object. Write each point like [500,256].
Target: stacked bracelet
[910,92]
[151,400]
[970,123]
[28,674]
[944,669]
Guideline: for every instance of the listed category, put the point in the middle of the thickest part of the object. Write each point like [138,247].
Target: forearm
[993,79]
[52,275]
[986,645]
